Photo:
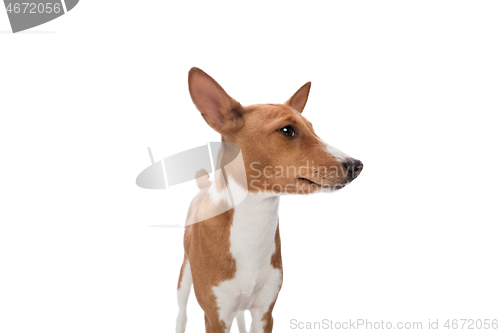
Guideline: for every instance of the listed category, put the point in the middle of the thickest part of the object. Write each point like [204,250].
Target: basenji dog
[233,259]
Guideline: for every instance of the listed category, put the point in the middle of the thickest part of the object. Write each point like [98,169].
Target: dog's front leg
[220,315]
[262,320]
[265,298]
[215,324]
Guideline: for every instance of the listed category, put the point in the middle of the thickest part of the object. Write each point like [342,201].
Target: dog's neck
[255,217]
[258,208]
[253,229]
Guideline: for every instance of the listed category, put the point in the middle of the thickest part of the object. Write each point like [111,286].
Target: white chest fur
[256,282]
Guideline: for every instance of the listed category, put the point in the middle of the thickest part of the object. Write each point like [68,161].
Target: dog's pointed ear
[220,111]
[299,99]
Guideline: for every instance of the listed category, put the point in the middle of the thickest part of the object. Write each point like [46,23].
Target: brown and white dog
[233,259]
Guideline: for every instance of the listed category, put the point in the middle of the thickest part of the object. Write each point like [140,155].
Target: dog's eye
[287,131]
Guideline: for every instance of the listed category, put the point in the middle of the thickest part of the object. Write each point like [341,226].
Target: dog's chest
[252,239]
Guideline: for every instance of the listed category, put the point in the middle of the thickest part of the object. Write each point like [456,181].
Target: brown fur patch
[207,247]
[276,257]
[181,273]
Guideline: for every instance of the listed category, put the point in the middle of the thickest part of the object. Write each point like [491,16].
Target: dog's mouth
[323,186]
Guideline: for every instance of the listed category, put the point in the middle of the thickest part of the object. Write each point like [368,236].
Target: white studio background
[409,88]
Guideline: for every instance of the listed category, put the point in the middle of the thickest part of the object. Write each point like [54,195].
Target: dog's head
[281,152]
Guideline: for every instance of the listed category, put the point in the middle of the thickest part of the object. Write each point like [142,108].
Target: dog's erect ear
[219,110]
[299,99]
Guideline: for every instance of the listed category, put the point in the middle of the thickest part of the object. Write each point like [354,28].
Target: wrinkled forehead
[274,116]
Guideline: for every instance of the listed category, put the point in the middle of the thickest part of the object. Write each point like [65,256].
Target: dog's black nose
[353,167]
